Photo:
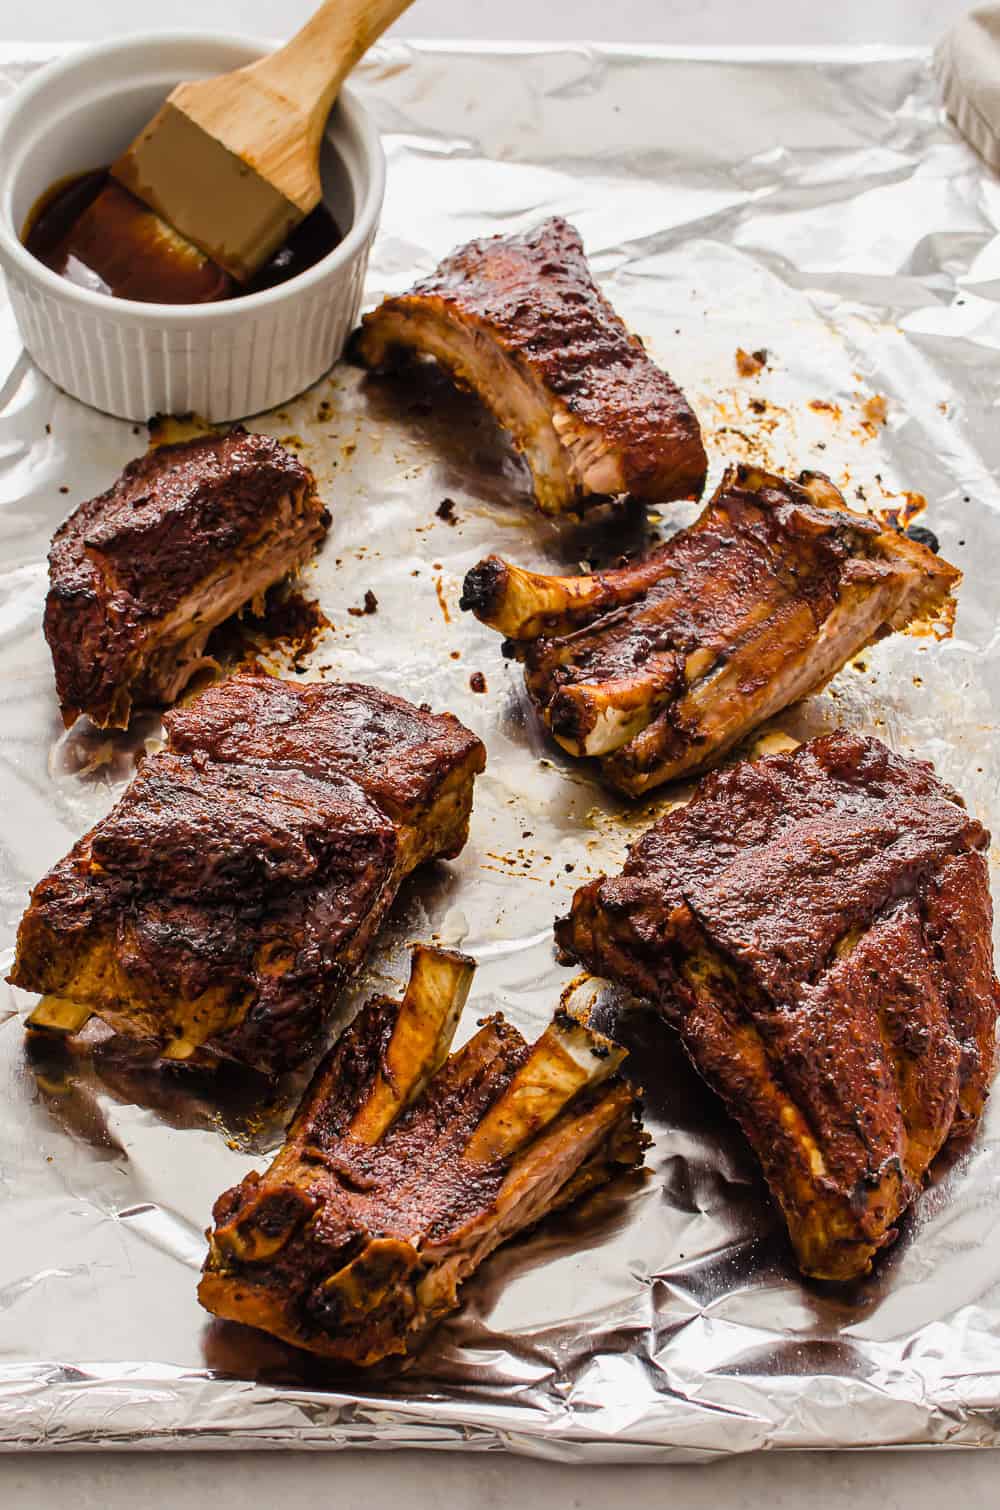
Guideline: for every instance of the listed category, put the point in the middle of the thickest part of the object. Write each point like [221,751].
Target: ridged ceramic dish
[133,360]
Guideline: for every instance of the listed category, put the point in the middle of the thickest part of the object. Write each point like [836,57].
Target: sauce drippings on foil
[94,233]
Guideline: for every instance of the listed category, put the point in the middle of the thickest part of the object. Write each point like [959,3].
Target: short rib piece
[660,667]
[139,577]
[520,321]
[220,906]
[817,925]
[403,1169]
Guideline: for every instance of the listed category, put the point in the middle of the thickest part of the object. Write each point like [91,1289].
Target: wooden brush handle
[309,70]
[272,113]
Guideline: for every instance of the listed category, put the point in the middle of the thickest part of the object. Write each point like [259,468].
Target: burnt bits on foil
[815,214]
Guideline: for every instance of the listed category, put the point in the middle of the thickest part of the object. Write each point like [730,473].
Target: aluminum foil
[813,204]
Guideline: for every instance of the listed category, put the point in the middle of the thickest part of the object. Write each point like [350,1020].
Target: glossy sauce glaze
[94,233]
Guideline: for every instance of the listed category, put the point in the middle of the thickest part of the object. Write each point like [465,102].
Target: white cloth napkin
[967,62]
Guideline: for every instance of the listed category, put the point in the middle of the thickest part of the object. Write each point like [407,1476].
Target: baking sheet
[813,204]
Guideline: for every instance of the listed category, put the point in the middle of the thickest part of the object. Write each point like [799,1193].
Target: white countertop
[703,22]
[230,1481]
[451,1481]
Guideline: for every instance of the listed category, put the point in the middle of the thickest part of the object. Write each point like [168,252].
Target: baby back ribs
[817,925]
[520,321]
[219,907]
[659,667]
[140,576]
[404,1169]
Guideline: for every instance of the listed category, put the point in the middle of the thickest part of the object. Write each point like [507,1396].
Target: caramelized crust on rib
[219,907]
[520,320]
[661,666]
[140,576]
[406,760]
[402,1171]
[817,925]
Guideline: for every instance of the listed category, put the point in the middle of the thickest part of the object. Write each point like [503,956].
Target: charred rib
[358,1237]
[817,926]
[139,577]
[658,668]
[520,320]
[219,907]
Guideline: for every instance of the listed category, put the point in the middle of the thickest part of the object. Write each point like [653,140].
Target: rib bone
[433,1003]
[661,666]
[359,1235]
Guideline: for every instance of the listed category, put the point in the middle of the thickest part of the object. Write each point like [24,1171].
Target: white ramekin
[224,360]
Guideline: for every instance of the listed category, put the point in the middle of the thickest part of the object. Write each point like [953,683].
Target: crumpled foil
[812,204]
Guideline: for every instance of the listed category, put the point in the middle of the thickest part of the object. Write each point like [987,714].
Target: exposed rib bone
[525,605]
[567,1059]
[661,666]
[428,1016]
[57,1014]
[359,1235]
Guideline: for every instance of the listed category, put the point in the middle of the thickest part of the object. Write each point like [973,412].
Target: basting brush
[230,165]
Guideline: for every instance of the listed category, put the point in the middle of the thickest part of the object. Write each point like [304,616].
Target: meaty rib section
[404,1169]
[416,766]
[659,667]
[817,925]
[220,906]
[139,577]
[520,321]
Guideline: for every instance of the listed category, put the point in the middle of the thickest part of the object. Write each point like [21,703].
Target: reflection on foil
[815,211]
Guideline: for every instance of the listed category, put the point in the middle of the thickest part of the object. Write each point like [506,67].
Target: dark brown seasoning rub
[369,605]
[750,363]
[404,1168]
[817,926]
[660,666]
[520,321]
[222,903]
[141,575]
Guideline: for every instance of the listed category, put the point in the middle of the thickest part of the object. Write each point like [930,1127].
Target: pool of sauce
[94,233]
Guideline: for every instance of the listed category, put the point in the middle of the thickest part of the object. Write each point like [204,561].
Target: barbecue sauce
[94,233]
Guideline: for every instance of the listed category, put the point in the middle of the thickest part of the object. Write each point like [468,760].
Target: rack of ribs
[403,1168]
[817,926]
[220,906]
[139,577]
[658,668]
[520,321]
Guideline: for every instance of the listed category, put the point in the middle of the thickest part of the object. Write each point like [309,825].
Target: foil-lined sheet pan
[815,205]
